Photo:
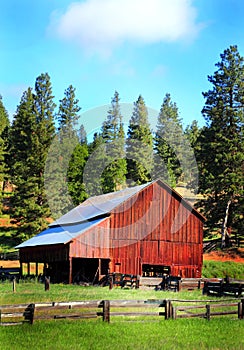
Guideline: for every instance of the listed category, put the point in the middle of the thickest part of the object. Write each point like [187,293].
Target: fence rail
[165,309]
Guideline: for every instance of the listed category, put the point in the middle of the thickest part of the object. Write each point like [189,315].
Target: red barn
[143,230]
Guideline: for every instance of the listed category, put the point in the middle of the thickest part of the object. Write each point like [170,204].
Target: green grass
[222,269]
[91,335]
[32,292]
[218,333]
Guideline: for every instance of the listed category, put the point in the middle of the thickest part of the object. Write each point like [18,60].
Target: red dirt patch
[235,255]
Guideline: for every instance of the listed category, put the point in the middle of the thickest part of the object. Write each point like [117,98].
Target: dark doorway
[155,270]
[88,270]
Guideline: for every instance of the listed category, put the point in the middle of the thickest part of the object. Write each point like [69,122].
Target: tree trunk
[224,232]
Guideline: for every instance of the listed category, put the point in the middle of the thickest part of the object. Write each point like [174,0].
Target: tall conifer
[168,140]
[139,145]
[222,142]
[113,177]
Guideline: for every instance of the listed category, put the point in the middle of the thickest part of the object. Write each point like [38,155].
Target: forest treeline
[45,154]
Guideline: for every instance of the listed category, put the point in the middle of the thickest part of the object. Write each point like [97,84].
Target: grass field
[218,333]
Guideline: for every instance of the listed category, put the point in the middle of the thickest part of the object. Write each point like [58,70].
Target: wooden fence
[208,310]
[166,309]
[221,288]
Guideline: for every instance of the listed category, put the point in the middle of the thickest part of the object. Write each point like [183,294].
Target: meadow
[218,333]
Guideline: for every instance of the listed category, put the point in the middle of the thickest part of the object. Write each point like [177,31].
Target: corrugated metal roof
[59,234]
[97,206]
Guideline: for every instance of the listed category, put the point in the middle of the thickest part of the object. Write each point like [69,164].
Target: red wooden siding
[149,220]
[94,243]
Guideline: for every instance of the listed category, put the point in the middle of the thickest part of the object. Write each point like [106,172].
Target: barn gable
[128,231]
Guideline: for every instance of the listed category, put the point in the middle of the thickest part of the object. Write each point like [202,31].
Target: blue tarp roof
[59,234]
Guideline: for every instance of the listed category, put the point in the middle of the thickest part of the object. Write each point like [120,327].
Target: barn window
[155,270]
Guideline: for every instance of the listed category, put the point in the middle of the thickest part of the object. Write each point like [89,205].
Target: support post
[21,269]
[29,313]
[47,283]
[28,268]
[99,268]
[14,285]
[241,309]
[36,269]
[70,270]
[138,281]
[106,311]
[168,309]
[208,312]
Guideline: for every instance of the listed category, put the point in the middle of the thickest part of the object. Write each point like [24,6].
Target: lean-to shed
[144,230]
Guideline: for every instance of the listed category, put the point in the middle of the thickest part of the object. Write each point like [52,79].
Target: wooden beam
[70,270]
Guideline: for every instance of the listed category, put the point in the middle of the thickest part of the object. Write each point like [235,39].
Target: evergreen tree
[75,173]
[4,125]
[113,176]
[30,138]
[168,140]
[26,211]
[139,146]
[77,164]
[61,160]
[95,166]
[193,133]
[222,143]
[44,113]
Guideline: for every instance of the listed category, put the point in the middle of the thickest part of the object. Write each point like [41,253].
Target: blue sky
[147,47]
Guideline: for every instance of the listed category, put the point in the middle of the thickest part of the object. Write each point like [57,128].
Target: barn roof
[97,206]
[90,213]
[59,234]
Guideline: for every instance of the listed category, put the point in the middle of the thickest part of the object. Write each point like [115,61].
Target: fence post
[14,285]
[241,309]
[29,313]
[106,311]
[47,283]
[137,281]
[208,312]
[168,309]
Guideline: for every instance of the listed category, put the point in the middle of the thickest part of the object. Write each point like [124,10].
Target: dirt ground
[236,255]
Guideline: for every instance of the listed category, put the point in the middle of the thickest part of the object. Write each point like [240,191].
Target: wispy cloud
[101,25]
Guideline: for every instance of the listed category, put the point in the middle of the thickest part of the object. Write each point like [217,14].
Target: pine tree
[168,140]
[75,173]
[26,211]
[44,113]
[4,125]
[113,176]
[139,146]
[193,134]
[222,154]
[95,166]
[59,177]
[30,138]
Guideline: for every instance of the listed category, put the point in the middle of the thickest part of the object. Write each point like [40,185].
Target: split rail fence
[107,309]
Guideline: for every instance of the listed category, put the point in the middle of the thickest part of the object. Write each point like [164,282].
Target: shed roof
[59,234]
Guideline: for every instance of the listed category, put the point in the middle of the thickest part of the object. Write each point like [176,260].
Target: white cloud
[101,25]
